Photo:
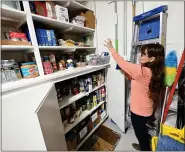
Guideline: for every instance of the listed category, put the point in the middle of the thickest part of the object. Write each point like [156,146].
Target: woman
[146,83]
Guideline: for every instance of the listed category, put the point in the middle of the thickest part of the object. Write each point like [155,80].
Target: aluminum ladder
[159,14]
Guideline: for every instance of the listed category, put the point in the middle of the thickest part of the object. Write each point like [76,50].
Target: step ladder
[149,27]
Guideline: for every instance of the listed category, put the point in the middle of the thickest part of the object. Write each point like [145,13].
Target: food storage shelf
[82,117]
[72,98]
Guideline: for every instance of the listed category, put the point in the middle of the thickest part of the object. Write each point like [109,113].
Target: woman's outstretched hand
[108,44]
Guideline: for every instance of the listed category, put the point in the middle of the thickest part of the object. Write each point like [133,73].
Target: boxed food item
[18,36]
[71,140]
[29,70]
[50,8]
[61,13]
[41,8]
[94,120]
[82,130]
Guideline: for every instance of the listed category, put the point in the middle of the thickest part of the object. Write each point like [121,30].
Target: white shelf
[62,26]
[70,99]
[82,117]
[91,132]
[12,15]
[73,6]
[16,48]
[54,78]
[66,49]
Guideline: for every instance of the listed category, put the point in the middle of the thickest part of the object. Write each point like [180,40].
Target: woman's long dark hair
[157,67]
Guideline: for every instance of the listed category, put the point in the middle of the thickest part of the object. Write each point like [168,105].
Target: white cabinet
[31,120]
[20,125]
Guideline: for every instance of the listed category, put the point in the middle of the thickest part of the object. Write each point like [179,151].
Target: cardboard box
[90,19]
[10,42]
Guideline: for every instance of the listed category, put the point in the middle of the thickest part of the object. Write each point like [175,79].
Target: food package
[78,20]
[17,36]
[50,7]
[41,8]
[61,13]
[29,70]
[90,19]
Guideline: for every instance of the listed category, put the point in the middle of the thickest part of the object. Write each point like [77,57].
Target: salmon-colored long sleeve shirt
[140,103]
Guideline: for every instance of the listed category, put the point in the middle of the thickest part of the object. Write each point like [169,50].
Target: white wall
[106,29]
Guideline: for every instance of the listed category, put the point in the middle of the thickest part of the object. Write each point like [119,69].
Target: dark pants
[141,132]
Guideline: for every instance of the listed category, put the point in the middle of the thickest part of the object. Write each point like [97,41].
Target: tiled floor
[126,140]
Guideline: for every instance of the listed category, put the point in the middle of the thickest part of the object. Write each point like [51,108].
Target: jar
[70,64]
[3,76]
[9,70]
[61,65]
[16,69]
[88,104]
[47,67]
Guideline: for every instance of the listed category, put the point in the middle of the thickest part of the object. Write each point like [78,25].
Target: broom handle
[164,103]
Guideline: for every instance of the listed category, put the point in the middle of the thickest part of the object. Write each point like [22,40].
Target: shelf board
[66,49]
[85,139]
[61,26]
[70,99]
[73,6]
[16,48]
[12,15]
[54,78]
[82,117]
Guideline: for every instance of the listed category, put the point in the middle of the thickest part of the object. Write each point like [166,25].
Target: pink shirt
[140,103]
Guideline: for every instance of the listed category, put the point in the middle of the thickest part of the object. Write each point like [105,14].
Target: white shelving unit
[82,117]
[63,26]
[12,15]
[41,89]
[66,49]
[70,99]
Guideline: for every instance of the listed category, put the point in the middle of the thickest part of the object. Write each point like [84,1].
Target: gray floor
[126,140]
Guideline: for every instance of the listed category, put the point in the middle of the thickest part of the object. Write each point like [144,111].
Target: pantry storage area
[52,70]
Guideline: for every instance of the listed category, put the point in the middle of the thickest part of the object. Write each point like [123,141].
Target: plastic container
[79,20]
[95,59]
[9,71]
[29,70]
[104,58]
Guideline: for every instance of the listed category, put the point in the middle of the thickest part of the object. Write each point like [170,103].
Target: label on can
[83,132]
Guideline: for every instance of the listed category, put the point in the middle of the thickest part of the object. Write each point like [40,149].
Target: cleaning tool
[170,138]
[170,68]
[181,100]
